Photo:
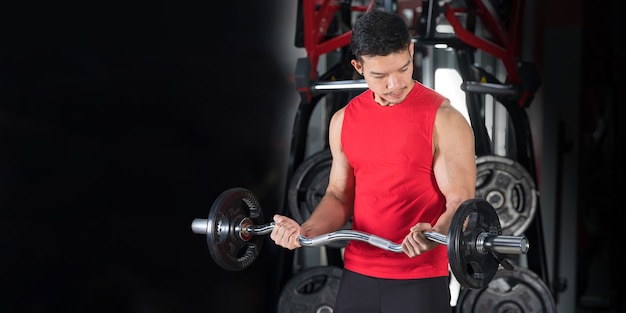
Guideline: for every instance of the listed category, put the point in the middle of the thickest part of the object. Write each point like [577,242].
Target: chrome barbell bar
[485,242]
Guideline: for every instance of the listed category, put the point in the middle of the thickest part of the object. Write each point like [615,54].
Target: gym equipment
[311,290]
[519,290]
[475,243]
[510,189]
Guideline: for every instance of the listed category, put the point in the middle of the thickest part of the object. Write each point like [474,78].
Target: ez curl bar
[475,241]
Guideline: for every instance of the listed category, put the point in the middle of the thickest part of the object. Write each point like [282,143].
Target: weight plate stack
[511,291]
[312,290]
[510,189]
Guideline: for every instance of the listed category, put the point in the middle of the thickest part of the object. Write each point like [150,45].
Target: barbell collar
[486,243]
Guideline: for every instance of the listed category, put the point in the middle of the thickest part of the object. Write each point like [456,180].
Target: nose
[393,81]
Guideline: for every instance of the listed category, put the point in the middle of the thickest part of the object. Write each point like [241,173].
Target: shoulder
[426,95]
[446,112]
[337,117]
[339,113]
[450,121]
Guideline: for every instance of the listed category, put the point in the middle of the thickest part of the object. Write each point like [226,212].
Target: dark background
[120,122]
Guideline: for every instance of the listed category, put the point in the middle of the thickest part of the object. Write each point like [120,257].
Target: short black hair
[379,33]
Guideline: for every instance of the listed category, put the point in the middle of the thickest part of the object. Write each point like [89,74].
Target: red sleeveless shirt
[390,149]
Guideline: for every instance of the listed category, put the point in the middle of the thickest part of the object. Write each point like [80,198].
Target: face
[390,77]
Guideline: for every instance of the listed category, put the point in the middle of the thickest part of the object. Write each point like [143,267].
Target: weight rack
[323,28]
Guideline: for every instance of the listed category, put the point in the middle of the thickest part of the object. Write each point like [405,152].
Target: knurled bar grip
[485,242]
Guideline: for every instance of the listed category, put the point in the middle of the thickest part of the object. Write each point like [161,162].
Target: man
[403,162]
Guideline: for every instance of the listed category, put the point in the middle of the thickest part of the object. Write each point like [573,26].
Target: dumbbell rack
[324,29]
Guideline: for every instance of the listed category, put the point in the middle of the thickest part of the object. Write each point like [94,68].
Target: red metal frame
[317,16]
[504,43]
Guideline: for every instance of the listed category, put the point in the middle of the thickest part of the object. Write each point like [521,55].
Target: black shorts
[363,294]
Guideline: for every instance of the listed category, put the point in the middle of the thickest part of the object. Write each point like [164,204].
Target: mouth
[395,94]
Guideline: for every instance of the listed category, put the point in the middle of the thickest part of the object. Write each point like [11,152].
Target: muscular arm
[336,207]
[454,161]
[454,165]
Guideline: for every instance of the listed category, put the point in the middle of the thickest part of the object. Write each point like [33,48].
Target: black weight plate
[510,189]
[312,290]
[307,187]
[471,268]
[224,239]
[511,291]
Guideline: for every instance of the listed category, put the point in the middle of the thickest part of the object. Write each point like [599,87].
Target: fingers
[421,227]
[286,232]
[415,243]
[412,245]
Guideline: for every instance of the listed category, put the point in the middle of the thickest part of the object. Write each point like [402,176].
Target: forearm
[330,215]
[452,204]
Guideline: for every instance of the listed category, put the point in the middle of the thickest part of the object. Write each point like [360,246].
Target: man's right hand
[286,232]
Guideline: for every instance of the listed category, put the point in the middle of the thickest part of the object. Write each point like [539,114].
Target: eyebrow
[403,66]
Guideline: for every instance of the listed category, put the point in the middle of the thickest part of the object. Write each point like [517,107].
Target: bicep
[454,157]
[336,206]
[341,179]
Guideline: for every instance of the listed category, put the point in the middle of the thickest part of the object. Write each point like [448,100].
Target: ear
[357,66]
[412,49]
